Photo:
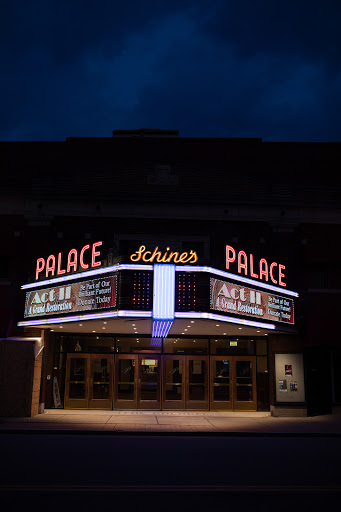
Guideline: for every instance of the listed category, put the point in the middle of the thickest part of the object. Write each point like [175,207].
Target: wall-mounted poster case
[289,378]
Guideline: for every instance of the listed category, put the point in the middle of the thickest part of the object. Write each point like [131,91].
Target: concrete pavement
[261,423]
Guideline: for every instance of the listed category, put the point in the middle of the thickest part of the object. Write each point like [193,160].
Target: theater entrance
[185,382]
[233,383]
[89,381]
[154,381]
[137,381]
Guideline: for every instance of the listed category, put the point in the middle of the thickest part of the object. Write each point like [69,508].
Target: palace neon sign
[53,265]
[166,257]
[261,270]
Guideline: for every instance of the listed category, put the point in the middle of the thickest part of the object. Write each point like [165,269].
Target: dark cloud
[223,68]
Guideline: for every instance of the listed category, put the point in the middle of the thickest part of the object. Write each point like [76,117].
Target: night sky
[242,68]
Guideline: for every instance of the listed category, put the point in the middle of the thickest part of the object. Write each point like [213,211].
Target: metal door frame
[85,403]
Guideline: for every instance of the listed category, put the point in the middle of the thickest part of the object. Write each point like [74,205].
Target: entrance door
[125,382]
[221,383]
[185,382]
[88,383]
[233,383]
[245,393]
[173,389]
[197,382]
[137,383]
[148,390]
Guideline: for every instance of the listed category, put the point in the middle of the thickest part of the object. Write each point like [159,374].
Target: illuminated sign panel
[88,295]
[53,266]
[157,256]
[240,300]
[261,270]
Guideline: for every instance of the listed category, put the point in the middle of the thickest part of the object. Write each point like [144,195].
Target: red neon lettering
[72,260]
[271,274]
[240,264]
[95,253]
[60,270]
[40,266]
[50,265]
[228,258]
[280,274]
[263,271]
[81,261]
[252,274]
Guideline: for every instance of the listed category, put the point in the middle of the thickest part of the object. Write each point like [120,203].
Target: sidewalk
[261,423]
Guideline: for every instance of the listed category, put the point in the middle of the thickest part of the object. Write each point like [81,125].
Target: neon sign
[166,257]
[54,265]
[264,269]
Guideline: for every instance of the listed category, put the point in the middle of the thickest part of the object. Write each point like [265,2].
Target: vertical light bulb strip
[163,292]
[163,299]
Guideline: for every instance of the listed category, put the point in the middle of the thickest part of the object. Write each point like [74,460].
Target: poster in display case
[289,377]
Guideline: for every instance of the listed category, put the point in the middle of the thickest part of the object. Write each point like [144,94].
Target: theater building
[146,271]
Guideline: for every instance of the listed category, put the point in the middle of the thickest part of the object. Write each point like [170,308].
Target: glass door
[88,383]
[220,383]
[196,382]
[101,381]
[125,396]
[76,383]
[173,392]
[148,390]
[245,394]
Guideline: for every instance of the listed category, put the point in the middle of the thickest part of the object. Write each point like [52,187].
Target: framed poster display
[289,378]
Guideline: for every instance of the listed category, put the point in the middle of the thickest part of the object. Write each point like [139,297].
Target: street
[68,470]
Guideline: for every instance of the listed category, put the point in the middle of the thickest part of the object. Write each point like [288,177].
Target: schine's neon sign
[167,257]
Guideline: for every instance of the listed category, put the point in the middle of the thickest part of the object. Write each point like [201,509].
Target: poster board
[289,378]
